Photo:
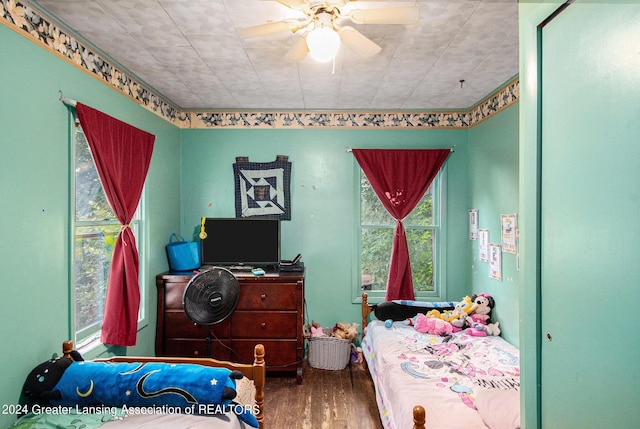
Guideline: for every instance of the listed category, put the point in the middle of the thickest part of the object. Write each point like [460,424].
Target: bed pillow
[499,409]
[398,310]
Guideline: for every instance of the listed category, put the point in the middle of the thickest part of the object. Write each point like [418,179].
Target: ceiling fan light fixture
[323,43]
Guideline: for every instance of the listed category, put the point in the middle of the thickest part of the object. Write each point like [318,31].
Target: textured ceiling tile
[214,47]
[291,99]
[156,34]
[128,11]
[354,96]
[123,48]
[198,75]
[199,16]
[236,69]
[244,13]
[175,57]
[441,91]
[83,15]
[445,14]
[173,87]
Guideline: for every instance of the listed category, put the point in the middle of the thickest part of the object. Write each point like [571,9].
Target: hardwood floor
[325,400]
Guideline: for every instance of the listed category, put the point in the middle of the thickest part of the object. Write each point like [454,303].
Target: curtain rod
[67,101]
[349,150]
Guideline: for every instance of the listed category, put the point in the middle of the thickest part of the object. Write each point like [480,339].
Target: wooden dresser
[270,311]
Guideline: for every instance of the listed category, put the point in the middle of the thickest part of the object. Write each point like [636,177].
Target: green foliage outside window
[95,231]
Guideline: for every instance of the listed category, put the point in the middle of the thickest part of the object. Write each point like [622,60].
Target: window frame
[89,337]
[439,229]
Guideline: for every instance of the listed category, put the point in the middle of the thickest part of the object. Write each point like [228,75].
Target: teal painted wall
[493,190]
[34,207]
[323,190]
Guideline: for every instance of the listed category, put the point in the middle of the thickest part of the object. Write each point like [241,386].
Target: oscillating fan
[210,297]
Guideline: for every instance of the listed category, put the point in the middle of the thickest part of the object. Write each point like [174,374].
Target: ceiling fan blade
[355,40]
[263,29]
[294,4]
[337,3]
[391,15]
[298,51]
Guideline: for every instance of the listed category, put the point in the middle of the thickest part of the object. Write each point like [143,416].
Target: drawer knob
[263,325]
[263,296]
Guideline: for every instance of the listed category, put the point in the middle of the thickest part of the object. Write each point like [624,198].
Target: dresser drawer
[280,355]
[173,295]
[177,324]
[264,324]
[272,296]
[181,347]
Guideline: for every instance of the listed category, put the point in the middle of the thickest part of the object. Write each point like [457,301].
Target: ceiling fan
[322,32]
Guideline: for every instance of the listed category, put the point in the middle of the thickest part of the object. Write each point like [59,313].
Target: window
[424,228]
[95,229]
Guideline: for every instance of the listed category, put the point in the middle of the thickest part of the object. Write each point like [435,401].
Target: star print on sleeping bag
[183,386]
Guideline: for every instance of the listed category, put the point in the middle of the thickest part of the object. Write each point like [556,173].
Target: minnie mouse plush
[479,319]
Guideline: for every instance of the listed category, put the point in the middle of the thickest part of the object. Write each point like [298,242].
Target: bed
[458,381]
[248,399]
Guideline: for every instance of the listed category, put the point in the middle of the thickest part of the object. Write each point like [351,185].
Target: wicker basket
[329,352]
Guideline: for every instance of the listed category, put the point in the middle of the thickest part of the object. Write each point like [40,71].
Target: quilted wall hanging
[262,188]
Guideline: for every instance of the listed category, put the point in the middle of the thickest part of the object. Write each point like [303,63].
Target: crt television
[253,242]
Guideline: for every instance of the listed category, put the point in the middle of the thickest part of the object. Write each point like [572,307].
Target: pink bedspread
[443,375]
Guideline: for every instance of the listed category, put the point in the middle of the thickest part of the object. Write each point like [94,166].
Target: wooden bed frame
[419,414]
[255,371]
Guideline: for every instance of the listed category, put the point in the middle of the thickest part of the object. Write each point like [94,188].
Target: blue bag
[183,255]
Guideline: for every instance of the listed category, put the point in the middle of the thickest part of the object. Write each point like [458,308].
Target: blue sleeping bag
[187,388]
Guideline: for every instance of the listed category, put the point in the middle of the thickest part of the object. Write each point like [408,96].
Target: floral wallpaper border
[28,21]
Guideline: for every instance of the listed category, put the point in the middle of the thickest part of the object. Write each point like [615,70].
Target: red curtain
[400,178]
[122,155]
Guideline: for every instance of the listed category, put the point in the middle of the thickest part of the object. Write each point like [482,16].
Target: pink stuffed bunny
[432,325]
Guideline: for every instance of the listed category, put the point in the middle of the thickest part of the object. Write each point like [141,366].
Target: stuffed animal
[431,325]
[346,331]
[484,304]
[480,330]
[76,383]
[316,330]
[479,319]
[458,316]
[435,313]
[39,387]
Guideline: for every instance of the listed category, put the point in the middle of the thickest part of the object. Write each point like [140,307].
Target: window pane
[376,252]
[372,212]
[374,260]
[91,202]
[93,246]
[422,215]
[421,250]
